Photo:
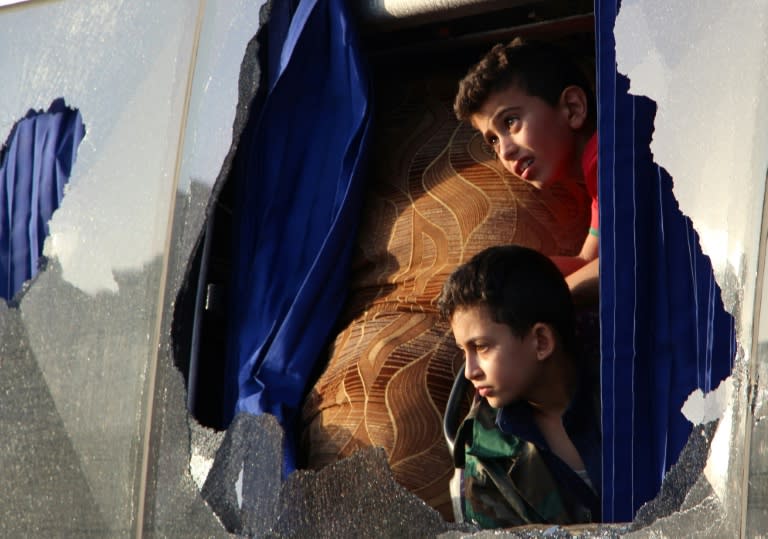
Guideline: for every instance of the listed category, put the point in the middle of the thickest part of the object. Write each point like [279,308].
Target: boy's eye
[511,121]
[492,141]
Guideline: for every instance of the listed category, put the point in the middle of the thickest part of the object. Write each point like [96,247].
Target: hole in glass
[35,165]
[717,342]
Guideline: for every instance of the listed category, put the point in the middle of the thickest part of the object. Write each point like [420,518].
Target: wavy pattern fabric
[36,164]
[664,330]
[436,197]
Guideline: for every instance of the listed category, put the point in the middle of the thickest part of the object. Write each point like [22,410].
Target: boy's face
[534,140]
[502,367]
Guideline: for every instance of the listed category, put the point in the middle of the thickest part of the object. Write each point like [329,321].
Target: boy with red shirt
[535,108]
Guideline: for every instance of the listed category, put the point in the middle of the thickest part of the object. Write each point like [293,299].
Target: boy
[530,445]
[536,109]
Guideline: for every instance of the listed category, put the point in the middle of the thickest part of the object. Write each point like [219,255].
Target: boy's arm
[582,272]
[570,264]
[585,284]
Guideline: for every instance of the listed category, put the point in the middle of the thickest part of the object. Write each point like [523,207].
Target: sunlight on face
[502,367]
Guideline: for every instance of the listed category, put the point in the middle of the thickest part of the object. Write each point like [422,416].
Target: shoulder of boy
[507,483]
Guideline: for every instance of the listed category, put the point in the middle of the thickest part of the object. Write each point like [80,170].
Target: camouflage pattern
[506,480]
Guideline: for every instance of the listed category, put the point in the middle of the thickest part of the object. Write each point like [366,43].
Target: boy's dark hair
[537,68]
[520,286]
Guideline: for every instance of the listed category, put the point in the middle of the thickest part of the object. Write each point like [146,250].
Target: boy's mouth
[522,166]
[483,391]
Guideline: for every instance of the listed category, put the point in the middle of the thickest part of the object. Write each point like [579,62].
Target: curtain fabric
[664,331]
[298,194]
[35,166]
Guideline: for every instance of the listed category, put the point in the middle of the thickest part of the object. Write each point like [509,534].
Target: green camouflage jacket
[507,482]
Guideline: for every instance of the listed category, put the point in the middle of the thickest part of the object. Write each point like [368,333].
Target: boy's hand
[582,272]
[585,284]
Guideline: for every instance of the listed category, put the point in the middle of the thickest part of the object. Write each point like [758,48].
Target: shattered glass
[78,351]
[689,59]
[96,438]
[757,481]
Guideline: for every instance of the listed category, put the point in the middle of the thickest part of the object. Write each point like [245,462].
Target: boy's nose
[471,368]
[507,148]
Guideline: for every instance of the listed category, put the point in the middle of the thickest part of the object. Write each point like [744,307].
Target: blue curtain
[36,164]
[298,179]
[664,331]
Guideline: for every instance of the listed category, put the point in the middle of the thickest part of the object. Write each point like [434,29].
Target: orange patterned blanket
[436,197]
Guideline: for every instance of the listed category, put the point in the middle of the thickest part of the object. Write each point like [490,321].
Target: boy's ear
[544,340]
[573,102]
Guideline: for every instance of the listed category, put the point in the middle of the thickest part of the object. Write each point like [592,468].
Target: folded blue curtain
[36,164]
[664,331]
[298,190]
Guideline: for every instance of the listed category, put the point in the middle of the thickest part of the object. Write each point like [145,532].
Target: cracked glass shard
[79,346]
[705,66]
